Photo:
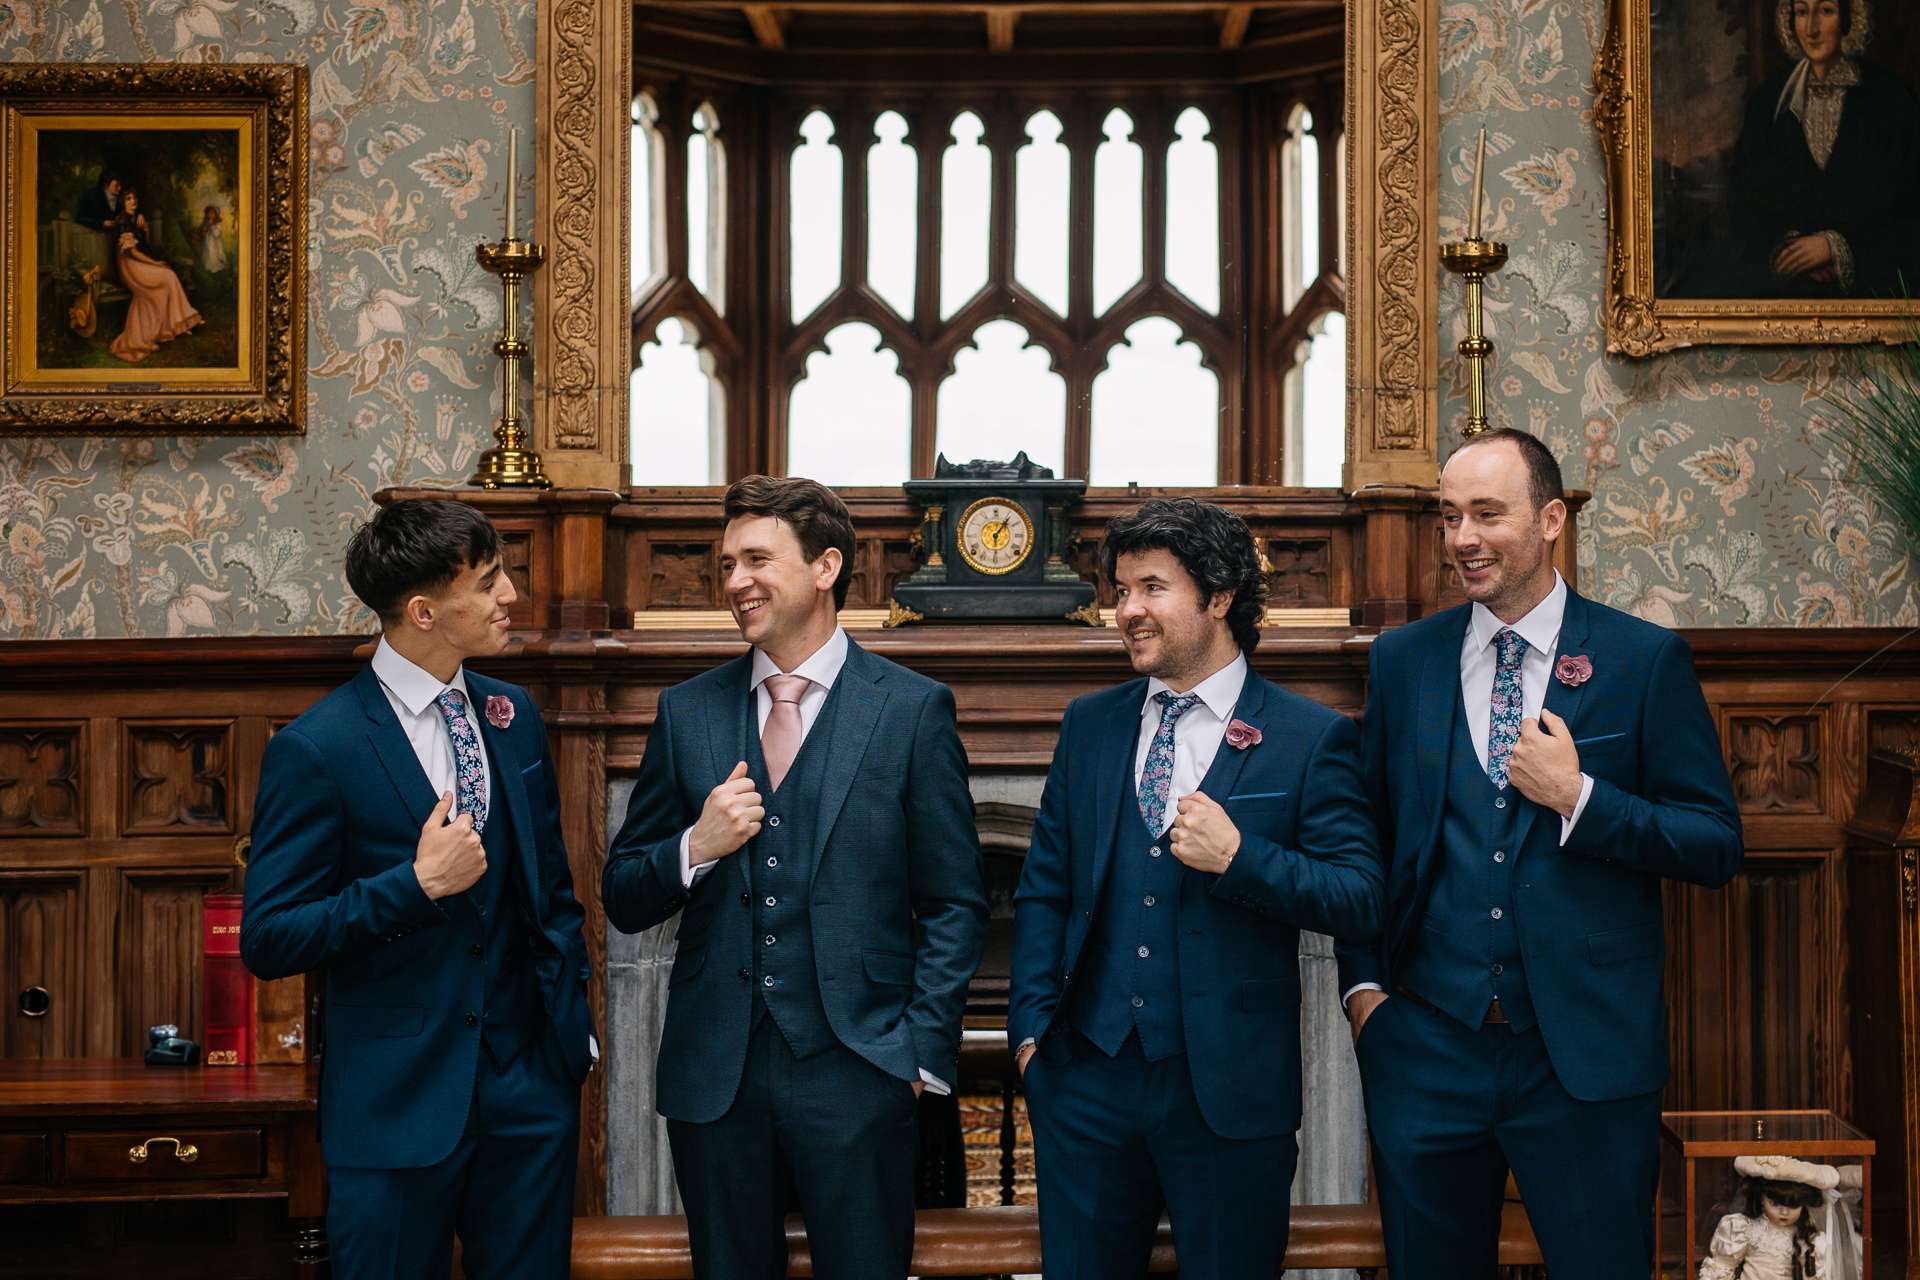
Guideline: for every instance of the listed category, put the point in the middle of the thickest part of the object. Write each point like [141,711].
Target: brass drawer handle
[186,1152]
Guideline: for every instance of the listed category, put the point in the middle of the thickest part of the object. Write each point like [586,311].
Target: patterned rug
[980,1120]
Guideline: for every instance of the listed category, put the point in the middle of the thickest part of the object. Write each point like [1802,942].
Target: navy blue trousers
[1116,1139]
[507,1188]
[833,1128]
[1451,1109]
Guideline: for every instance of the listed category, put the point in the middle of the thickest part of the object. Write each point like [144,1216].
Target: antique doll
[1779,1236]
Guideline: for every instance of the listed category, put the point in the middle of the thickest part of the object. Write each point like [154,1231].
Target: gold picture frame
[151,224]
[1644,316]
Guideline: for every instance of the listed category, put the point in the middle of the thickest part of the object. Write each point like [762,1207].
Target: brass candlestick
[508,465]
[1473,260]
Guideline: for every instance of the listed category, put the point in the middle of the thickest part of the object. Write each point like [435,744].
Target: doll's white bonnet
[1787,1169]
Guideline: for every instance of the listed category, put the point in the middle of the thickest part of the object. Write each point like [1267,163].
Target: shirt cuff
[1579,806]
[689,873]
[934,1083]
[1361,986]
[593,1046]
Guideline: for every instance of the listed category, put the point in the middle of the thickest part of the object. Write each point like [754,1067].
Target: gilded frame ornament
[263,107]
[1638,323]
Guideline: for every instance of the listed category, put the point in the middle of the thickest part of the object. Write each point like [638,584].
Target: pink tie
[780,737]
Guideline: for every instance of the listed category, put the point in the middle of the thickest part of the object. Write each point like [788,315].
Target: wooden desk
[99,1129]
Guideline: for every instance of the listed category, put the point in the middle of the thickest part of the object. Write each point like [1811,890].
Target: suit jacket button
[746,976]
[743,900]
[473,1019]
[476,951]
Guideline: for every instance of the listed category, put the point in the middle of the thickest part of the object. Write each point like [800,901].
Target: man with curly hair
[1194,821]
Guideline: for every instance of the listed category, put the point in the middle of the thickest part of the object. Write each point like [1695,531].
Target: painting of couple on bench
[139,249]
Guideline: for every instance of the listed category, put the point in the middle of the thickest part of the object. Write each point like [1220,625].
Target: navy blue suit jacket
[894,848]
[1589,914]
[331,885]
[1307,860]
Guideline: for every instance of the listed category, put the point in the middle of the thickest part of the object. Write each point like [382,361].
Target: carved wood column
[581,342]
[1393,174]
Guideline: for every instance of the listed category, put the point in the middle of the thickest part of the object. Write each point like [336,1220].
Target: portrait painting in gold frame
[151,231]
[1764,171]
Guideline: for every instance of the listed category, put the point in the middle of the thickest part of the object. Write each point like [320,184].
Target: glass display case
[1713,1213]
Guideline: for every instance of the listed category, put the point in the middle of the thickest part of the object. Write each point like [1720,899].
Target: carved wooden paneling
[158,974]
[1775,759]
[1302,573]
[178,777]
[683,575]
[879,563]
[42,931]
[42,779]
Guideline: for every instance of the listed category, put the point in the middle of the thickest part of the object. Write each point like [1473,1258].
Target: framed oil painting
[151,220]
[1764,171]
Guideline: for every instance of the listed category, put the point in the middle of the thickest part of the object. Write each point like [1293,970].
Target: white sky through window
[1042,176]
[640,216]
[1156,412]
[1003,397]
[966,205]
[1323,435]
[850,419]
[675,410]
[893,176]
[814,209]
[706,209]
[1193,212]
[1119,237]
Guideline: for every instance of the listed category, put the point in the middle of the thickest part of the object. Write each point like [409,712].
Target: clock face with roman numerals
[995,536]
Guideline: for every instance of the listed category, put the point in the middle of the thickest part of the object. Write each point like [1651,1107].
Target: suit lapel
[394,751]
[1223,775]
[861,699]
[1433,742]
[1563,699]
[511,786]
[1114,794]
[723,719]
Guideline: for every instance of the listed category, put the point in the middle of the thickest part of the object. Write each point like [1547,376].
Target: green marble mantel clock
[995,533]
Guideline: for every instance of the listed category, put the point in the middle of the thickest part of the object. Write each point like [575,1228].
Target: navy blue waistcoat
[1130,969]
[493,909]
[1467,952]
[785,980]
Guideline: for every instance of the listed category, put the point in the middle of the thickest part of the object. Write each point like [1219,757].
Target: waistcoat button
[770,939]
[773,902]
[1497,971]
[767,981]
[774,821]
[773,862]
[1148,899]
[1138,1002]
[1144,953]
[1497,913]
[1499,855]
[1499,802]
[1155,851]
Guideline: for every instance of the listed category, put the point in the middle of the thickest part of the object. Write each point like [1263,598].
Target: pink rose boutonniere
[1242,735]
[499,710]
[1574,670]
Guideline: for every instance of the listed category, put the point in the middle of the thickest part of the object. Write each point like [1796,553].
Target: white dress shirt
[1196,735]
[1479,661]
[412,693]
[822,668]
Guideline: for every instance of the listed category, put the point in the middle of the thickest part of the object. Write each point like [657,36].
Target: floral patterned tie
[1508,705]
[1156,779]
[471,797]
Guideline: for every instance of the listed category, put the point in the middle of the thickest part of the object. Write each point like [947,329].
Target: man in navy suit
[804,809]
[457,1028]
[1193,822]
[1539,764]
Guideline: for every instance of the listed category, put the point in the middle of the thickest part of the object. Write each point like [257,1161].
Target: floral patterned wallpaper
[1720,489]
[179,536]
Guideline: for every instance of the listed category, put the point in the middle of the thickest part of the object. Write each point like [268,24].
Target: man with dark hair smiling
[804,809]
[1193,822]
[1539,764]
[457,1028]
